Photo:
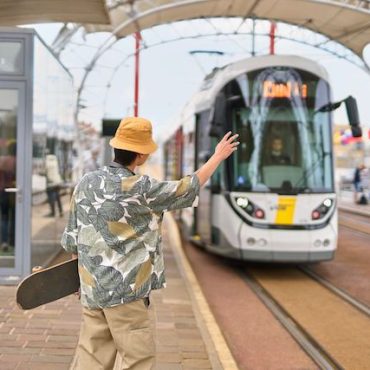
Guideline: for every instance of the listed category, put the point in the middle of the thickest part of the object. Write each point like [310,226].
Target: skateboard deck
[48,285]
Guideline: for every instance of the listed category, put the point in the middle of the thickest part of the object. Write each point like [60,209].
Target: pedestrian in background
[53,183]
[7,199]
[357,182]
[114,230]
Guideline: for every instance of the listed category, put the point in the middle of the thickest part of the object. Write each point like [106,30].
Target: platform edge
[218,350]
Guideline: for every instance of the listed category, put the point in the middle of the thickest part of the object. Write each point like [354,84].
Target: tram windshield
[285,141]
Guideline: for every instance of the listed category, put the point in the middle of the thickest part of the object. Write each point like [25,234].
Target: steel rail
[318,354]
[353,211]
[358,228]
[363,308]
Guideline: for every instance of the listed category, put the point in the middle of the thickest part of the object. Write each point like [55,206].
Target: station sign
[109,126]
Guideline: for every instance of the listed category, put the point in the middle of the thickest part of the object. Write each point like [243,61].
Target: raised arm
[223,150]
[170,195]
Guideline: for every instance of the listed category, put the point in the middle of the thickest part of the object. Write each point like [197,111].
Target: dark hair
[124,157]
[277,137]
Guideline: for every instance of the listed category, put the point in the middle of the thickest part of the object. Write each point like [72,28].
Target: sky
[170,75]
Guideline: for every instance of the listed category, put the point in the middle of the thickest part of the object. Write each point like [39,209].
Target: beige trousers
[125,328]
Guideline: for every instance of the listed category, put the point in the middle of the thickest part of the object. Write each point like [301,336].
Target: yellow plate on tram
[285,210]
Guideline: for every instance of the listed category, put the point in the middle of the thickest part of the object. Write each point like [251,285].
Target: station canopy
[344,21]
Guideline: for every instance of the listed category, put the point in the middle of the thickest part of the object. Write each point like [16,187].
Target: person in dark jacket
[357,181]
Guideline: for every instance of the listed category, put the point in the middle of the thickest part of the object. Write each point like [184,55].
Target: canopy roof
[345,21]
[16,12]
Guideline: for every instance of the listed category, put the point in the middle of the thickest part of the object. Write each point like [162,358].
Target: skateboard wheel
[36,268]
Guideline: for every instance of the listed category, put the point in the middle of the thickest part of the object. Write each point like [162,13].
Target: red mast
[272,38]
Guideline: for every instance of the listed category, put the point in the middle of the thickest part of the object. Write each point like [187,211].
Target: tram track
[365,309]
[318,354]
[331,326]
[326,316]
[284,297]
[359,222]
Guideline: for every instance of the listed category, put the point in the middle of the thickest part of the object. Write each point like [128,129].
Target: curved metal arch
[174,13]
[132,20]
[164,42]
[110,42]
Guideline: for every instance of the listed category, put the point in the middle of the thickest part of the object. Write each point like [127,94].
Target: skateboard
[48,285]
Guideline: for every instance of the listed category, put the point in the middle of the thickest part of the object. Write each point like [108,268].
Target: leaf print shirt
[115,228]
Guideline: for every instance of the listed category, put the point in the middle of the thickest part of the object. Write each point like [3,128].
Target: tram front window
[285,142]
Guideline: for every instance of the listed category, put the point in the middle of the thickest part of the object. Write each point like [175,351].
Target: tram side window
[242,156]
[216,179]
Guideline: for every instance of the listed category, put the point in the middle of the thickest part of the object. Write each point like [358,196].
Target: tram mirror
[356,131]
[353,116]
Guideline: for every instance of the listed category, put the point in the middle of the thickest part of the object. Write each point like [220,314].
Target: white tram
[274,199]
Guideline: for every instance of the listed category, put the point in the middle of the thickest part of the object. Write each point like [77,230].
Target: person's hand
[223,150]
[226,146]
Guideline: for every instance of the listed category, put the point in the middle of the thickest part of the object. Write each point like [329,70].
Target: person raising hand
[114,229]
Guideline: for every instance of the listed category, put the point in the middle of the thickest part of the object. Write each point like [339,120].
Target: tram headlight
[242,202]
[322,209]
[249,207]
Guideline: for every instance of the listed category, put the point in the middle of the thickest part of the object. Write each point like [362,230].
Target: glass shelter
[37,134]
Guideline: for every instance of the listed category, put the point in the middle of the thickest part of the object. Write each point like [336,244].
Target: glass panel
[52,170]
[285,140]
[11,57]
[8,145]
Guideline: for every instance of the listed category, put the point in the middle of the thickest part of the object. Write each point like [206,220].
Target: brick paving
[46,337]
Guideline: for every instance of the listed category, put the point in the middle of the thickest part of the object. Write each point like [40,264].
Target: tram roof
[345,21]
[205,97]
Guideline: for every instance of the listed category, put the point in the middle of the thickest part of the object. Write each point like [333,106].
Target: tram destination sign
[284,90]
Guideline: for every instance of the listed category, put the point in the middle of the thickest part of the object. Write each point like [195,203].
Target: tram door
[203,147]
[12,151]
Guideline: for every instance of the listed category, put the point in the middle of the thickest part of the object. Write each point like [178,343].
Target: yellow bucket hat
[134,134]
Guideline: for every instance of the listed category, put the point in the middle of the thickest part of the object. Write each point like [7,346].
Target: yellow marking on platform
[285,211]
[205,316]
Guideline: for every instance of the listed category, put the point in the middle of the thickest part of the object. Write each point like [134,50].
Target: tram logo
[272,89]
[279,207]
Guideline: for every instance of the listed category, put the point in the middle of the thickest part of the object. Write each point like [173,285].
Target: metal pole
[272,38]
[253,37]
[137,73]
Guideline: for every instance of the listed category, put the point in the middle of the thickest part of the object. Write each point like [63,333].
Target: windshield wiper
[310,171]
